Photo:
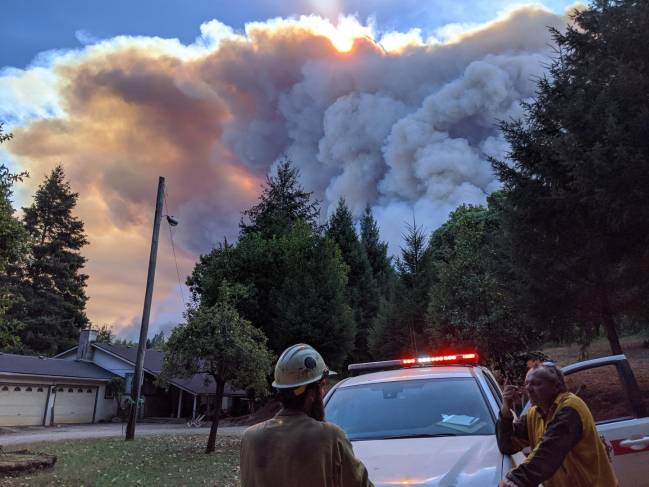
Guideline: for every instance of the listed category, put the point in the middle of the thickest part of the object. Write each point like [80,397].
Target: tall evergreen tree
[14,253]
[578,184]
[54,287]
[377,253]
[401,323]
[282,203]
[362,290]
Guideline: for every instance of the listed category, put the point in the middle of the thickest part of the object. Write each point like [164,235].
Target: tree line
[558,254]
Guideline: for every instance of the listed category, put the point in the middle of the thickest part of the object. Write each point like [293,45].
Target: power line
[173,250]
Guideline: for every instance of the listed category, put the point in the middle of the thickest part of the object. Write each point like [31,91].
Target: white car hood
[462,461]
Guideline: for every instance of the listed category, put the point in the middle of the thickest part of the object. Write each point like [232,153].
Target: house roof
[31,365]
[197,384]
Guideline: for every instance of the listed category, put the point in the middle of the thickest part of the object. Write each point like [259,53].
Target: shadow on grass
[152,460]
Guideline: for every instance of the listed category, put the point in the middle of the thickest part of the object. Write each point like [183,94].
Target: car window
[422,407]
[603,392]
[493,386]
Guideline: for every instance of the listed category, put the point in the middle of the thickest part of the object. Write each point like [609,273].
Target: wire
[173,250]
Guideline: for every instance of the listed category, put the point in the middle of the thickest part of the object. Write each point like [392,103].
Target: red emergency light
[455,358]
[428,360]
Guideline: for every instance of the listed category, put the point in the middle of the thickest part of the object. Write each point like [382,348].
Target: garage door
[22,404]
[74,404]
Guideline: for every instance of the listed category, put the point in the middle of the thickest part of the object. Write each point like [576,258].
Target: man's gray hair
[555,374]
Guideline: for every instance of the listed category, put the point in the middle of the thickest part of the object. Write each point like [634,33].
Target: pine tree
[54,289]
[401,323]
[282,202]
[362,290]
[377,253]
[578,178]
[14,253]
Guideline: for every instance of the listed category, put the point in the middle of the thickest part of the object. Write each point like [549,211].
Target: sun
[346,32]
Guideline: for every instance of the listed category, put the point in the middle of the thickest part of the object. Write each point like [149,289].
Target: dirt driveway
[110,430]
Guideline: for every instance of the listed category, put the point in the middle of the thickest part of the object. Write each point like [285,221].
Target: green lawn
[152,460]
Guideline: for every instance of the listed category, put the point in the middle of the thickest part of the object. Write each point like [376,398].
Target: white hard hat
[299,365]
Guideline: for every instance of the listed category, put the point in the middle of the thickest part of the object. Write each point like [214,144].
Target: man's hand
[507,483]
[510,395]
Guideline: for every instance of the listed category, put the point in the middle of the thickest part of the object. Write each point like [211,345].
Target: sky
[391,104]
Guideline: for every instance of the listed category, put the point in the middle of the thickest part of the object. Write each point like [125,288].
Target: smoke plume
[399,123]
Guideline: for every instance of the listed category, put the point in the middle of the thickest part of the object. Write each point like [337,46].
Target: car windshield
[410,409]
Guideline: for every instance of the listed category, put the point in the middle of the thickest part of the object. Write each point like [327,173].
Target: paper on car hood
[458,461]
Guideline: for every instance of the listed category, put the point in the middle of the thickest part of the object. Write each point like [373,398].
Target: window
[70,389]
[79,390]
[16,388]
[40,389]
[453,407]
[494,388]
[88,391]
[603,392]
[108,393]
[29,389]
[5,388]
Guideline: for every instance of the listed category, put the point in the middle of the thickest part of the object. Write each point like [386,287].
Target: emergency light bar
[450,359]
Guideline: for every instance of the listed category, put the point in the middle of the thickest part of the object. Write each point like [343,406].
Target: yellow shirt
[587,464]
[294,450]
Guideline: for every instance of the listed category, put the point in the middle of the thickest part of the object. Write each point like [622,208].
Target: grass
[154,460]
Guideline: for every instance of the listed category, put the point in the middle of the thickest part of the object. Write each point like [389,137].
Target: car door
[619,406]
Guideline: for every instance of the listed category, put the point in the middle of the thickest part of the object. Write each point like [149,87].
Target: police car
[431,421]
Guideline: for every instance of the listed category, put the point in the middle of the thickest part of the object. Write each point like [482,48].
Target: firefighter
[298,447]
[566,448]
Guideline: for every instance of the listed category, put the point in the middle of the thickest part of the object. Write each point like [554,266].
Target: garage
[38,390]
[22,404]
[74,404]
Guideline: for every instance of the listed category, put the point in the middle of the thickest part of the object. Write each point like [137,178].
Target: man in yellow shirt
[297,447]
[559,428]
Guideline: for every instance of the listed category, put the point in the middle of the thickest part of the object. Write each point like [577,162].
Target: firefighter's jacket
[294,450]
[566,448]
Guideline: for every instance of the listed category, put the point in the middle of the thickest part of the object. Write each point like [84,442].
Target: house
[71,387]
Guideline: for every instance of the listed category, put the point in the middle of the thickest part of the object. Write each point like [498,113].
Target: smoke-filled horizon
[399,123]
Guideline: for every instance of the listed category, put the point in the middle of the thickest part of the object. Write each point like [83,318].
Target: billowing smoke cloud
[402,124]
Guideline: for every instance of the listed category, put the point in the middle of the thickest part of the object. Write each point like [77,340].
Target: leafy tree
[401,322]
[295,278]
[217,341]
[54,288]
[14,253]
[157,342]
[476,299]
[362,290]
[282,203]
[296,289]
[105,335]
[578,178]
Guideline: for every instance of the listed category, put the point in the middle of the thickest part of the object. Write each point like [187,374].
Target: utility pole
[144,329]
